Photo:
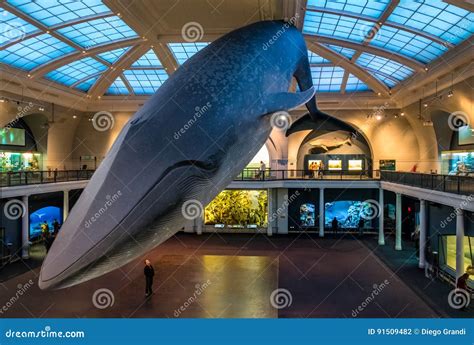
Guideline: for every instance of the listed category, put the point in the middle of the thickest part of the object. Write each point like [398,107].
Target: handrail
[456,184]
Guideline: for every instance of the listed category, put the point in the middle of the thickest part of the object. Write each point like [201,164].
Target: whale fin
[323,122]
[288,100]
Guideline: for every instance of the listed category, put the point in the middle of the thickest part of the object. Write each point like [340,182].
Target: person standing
[56,227]
[149,273]
[360,227]
[335,224]
[263,167]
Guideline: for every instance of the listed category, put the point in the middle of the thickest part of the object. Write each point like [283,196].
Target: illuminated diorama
[45,215]
[238,209]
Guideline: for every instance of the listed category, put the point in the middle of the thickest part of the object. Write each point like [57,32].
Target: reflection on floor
[215,276]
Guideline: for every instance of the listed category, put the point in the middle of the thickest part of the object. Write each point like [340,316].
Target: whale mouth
[53,275]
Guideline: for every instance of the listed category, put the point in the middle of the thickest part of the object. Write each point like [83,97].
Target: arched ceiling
[92,47]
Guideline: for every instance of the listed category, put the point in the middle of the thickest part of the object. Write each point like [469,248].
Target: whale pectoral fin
[288,100]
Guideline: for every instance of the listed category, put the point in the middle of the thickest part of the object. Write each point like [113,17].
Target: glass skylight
[406,43]
[327,79]
[369,8]
[113,55]
[390,82]
[86,85]
[385,66]
[145,82]
[149,59]
[13,28]
[53,12]
[332,25]
[355,84]
[314,58]
[183,51]
[34,51]
[118,87]
[448,22]
[98,31]
[348,53]
[75,71]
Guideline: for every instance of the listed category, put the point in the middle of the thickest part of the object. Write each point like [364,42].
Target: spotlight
[378,117]
[41,109]
[74,116]
[450,94]
[396,116]
[425,105]
[426,68]
[2,100]
[378,93]
[402,113]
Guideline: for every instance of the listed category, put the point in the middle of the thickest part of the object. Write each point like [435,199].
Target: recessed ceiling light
[74,116]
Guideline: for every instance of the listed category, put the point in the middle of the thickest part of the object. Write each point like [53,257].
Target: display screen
[466,135]
[307,214]
[12,136]
[41,217]
[334,164]
[238,209]
[387,164]
[355,164]
[348,213]
[314,164]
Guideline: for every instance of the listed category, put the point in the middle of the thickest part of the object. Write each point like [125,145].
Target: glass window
[145,82]
[451,251]
[355,84]
[369,8]
[385,66]
[348,53]
[75,71]
[149,59]
[314,58]
[183,51]
[118,87]
[327,79]
[13,28]
[113,55]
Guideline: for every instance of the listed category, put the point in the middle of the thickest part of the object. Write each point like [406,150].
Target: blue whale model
[186,144]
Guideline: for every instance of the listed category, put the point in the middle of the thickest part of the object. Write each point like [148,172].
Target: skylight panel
[86,85]
[13,28]
[314,58]
[35,51]
[113,55]
[183,51]
[327,79]
[98,31]
[53,12]
[355,84]
[149,59]
[145,82]
[118,87]
[346,52]
[385,66]
[369,8]
[75,71]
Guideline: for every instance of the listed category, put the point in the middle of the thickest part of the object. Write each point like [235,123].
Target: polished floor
[234,276]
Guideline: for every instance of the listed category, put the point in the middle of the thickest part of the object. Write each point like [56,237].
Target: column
[381,218]
[459,243]
[422,259]
[270,212]
[321,212]
[398,221]
[199,223]
[25,232]
[65,205]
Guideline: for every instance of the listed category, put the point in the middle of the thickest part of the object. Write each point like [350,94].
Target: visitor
[335,224]
[415,235]
[44,229]
[461,283]
[48,241]
[149,273]
[360,226]
[56,227]
[428,262]
[321,170]
[263,168]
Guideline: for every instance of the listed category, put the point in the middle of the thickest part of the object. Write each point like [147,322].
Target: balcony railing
[444,183]
[19,178]
[456,184]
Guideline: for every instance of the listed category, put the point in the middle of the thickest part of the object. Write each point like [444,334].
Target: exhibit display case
[20,161]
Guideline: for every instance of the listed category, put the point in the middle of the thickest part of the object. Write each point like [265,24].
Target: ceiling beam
[109,76]
[380,21]
[416,65]
[80,81]
[343,62]
[77,55]
[166,57]
[468,5]
[344,81]
[375,20]
[127,84]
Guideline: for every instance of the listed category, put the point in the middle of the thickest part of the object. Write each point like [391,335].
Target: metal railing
[444,183]
[254,174]
[21,178]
